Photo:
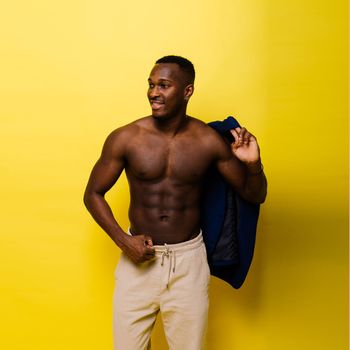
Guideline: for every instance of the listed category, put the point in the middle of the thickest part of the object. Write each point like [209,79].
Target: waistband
[171,251]
[191,244]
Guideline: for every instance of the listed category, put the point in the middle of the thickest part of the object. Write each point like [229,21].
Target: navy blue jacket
[228,222]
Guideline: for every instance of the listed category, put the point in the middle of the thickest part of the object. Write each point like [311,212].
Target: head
[184,64]
[170,86]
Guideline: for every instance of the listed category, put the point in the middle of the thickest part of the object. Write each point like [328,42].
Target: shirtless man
[165,157]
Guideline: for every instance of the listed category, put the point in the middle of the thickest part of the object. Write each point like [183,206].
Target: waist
[191,244]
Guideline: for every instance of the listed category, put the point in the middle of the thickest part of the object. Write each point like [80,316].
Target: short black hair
[183,63]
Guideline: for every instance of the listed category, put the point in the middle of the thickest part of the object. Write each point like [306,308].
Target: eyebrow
[161,80]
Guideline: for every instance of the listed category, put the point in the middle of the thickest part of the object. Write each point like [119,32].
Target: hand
[139,248]
[245,147]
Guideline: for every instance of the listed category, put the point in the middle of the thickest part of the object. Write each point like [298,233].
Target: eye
[164,86]
[150,85]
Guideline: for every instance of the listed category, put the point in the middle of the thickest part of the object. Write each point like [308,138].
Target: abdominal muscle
[168,212]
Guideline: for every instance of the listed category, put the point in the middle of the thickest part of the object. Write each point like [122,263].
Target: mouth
[155,105]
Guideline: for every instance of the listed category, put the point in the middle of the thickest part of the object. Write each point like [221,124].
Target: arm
[103,176]
[242,167]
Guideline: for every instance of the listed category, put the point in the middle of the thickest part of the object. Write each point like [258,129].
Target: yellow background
[72,71]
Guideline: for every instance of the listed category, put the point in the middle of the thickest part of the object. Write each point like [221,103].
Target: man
[165,156]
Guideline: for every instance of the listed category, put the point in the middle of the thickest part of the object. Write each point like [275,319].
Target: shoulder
[210,140]
[201,129]
[119,138]
[127,131]
[208,135]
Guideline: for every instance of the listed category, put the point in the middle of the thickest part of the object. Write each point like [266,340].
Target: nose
[153,92]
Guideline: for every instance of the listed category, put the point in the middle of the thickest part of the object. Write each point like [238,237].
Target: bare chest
[181,159]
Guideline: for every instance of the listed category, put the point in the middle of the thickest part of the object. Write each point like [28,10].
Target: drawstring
[169,253]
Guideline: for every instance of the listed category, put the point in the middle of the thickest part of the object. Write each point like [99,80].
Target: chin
[160,116]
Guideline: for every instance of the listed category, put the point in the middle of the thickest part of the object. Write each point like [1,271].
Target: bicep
[104,175]
[108,167]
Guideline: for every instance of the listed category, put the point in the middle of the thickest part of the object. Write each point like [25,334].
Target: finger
[150,252]
[250,139]
[245,134]
[242,132]
[146,240]
[236,134]
[149,249]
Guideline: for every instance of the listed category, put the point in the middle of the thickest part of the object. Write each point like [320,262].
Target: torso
[165,176]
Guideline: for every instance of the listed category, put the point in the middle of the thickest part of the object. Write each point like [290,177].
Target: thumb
[148,241]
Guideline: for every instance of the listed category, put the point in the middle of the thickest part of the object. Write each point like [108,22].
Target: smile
[156,104]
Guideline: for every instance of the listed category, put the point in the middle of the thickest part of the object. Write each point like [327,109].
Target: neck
[172,125]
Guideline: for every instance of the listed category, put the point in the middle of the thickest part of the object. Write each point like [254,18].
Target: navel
[164,218]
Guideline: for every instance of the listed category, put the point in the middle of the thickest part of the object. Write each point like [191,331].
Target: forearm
[255,185]
[102,213]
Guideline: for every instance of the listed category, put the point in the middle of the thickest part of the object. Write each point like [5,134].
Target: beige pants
[175,283]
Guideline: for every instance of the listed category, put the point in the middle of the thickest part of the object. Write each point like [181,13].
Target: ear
[188,91]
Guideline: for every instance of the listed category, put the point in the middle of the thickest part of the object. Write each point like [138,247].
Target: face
[168,92]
